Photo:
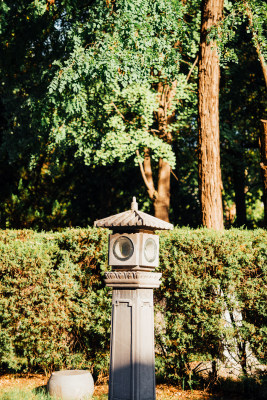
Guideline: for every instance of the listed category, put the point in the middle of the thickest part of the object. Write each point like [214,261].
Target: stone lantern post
[133,255]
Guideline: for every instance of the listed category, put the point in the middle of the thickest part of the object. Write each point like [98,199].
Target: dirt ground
[33,381]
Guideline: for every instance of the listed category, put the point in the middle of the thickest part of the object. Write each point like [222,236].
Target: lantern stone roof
[132,220]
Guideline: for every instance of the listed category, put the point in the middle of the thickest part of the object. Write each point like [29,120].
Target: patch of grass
[39,394]
[15,394]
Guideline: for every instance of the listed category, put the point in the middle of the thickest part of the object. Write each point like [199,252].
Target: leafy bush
[213,297]
[55,310]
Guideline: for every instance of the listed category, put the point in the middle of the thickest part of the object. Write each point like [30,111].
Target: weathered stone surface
[132,364]
[71,385]
[133,253]
[132,279]
[137,256]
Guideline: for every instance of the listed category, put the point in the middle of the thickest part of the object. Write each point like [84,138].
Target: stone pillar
[132,356]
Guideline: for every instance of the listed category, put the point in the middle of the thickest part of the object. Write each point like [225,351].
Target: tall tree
[263,148]
[258,39]
[119,87]
[247,20]
[93,88]
[210,181]
[242,104]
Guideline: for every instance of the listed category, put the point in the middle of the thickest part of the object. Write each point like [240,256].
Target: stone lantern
[133,255]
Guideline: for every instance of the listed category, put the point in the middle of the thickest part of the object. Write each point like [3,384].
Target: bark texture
[162,201]
[263,149]
[161,196]
[210,181]
[163,117]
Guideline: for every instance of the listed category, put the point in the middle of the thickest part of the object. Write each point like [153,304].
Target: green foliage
[64,102]
[237,14]
[39,394]
[55,310]
[104,93]
[78,96]
[205,274]
[15,394]
[53,301]
[240,113]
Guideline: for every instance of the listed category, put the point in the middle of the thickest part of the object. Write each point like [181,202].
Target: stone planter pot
[71,385]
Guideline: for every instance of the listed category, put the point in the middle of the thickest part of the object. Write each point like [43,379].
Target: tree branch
[174,175]
[149,185]
[191,70]
[118,111]
[258,47]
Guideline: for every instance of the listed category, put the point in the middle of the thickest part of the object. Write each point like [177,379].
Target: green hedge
[55,310]
[206,273]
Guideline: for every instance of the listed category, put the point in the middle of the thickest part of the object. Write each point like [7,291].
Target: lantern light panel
[134,250]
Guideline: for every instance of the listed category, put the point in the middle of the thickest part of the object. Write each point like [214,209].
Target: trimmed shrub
[55,310]
[214,297]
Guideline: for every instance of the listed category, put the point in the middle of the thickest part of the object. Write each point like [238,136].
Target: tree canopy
[87,87]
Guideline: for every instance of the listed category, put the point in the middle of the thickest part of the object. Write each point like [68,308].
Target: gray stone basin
[71,385]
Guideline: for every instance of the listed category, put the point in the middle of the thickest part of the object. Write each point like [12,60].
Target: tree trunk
[148,178]
[160,197]
[210,181]
[240,199]
[163,118]
[162,201]
[263,149]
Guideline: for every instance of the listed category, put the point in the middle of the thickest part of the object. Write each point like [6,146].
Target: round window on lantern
[150,250]
[123,248]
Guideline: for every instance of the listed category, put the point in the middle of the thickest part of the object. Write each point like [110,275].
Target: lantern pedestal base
[132,363]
